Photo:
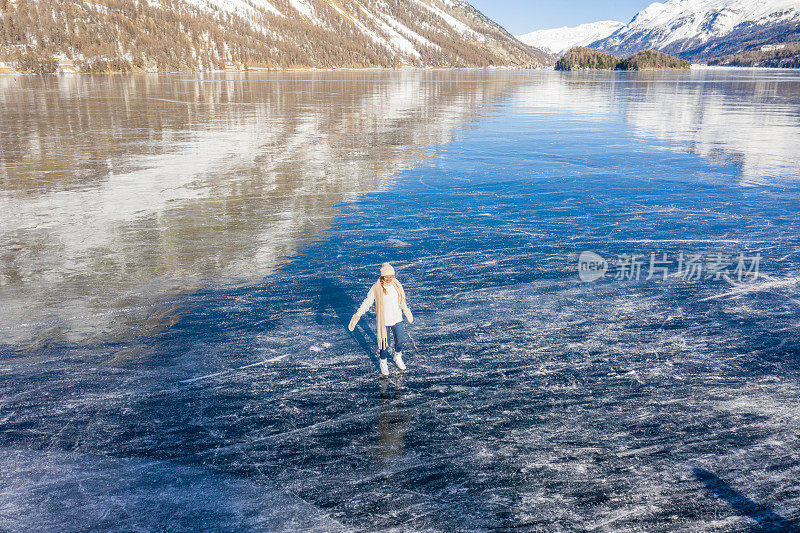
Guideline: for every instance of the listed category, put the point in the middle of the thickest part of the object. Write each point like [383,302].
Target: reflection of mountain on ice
[146,189]
[745,121]
[119,193]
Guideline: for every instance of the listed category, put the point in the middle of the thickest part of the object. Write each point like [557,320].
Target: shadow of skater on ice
[767,519]
[330,295]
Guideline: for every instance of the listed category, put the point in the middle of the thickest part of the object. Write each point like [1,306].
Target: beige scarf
[401,299]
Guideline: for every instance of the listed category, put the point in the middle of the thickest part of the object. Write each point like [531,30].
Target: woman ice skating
[390,299]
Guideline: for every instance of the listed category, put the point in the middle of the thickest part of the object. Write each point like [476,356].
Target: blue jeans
[397,331]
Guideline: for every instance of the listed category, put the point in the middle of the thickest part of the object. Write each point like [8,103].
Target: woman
[390,299]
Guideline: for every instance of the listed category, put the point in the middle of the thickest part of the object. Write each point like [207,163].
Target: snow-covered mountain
[559,40]
[697,29]
[102,35]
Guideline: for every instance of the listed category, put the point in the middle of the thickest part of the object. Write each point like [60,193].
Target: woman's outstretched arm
[363,308]
[367,303]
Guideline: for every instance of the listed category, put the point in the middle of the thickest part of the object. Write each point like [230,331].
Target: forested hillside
[776,56]
[582,58]
[652,60]
[187,35]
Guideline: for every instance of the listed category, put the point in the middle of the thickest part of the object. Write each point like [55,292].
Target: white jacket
[391,307]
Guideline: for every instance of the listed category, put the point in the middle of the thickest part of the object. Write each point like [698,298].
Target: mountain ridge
[199,35]
[701,29]
[695,30]
[559,40]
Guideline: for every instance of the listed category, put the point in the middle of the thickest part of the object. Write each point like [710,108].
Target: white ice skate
[398,360]
[384,367]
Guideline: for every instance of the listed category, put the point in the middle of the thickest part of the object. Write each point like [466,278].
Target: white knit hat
[387,270]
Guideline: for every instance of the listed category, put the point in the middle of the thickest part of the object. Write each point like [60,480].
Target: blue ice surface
[532,400]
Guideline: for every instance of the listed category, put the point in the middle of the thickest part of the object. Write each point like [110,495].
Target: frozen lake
[180,257]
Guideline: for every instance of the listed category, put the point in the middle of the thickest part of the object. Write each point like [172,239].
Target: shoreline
[309,69]
[7,70]
[703,66]
[299,69]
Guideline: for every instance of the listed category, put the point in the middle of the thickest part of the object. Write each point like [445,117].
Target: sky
[523,16]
